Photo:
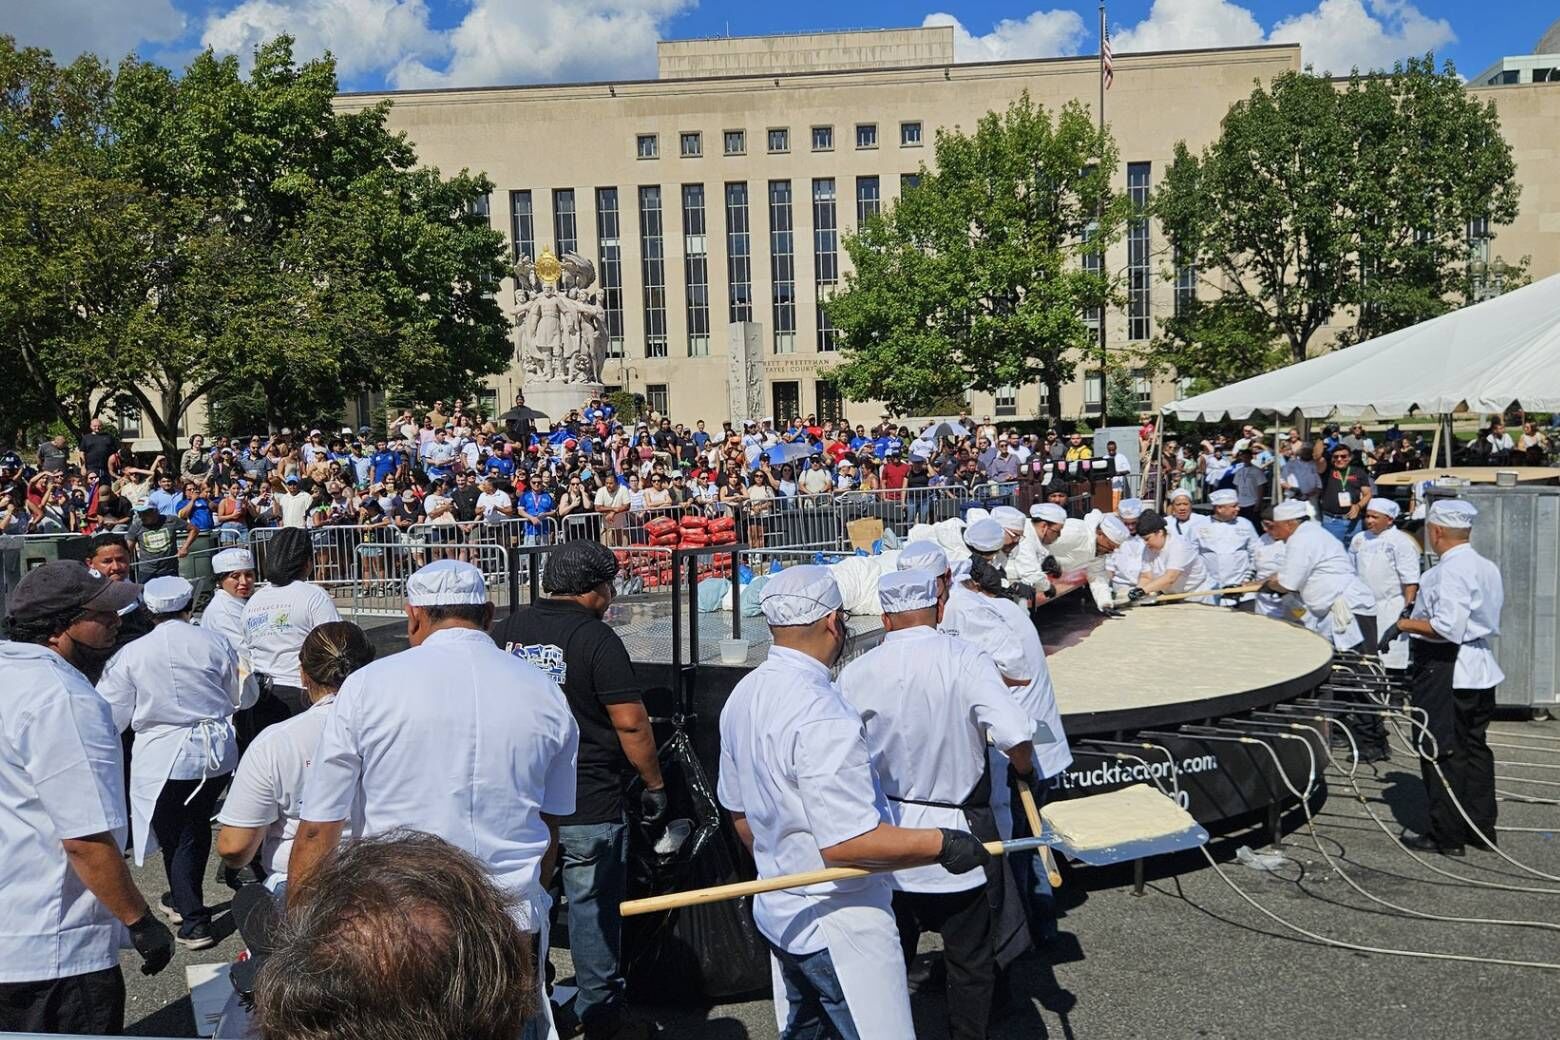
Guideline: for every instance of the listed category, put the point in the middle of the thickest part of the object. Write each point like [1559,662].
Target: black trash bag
[700,953]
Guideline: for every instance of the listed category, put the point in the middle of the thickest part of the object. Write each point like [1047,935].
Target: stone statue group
[560,325]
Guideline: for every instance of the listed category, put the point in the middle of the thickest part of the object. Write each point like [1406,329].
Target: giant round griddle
[1164,665]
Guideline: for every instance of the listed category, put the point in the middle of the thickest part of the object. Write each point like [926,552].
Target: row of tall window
[780,204]
[777,140]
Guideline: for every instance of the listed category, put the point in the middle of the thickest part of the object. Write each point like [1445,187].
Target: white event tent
[1484,358]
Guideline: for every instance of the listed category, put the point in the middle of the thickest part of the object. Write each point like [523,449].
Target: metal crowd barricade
[822,522]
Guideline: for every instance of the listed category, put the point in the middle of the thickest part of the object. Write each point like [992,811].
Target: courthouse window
[696,270]
[652,252]
[609,253]
[522,229]
[735,142]
[866,135]
[739,253]
[565,230]
[823,138]
[826,262]
[692,145]
[1138,267]
[782,266]
[779,140]
[909,135]
[648,146]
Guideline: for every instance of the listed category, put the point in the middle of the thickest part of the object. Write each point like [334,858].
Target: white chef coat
[1318,570]
[174,687]
[1269,559]
[1025,561]
[277,619]
[267,788]
[456,738]
[1188,527]
[1003,630]
[1074,547]
[224,615]
[1228,550]
[61,777]
[1462,596]
[1125,565]
[1178,554]
[794,761]
[1386,562]
[928,701]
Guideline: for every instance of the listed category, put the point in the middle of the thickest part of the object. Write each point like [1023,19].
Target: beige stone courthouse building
[713,199]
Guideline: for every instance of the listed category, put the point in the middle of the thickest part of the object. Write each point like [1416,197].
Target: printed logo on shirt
[546,656]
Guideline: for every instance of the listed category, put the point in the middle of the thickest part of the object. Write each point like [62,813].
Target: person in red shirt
[837,450]
[893,474]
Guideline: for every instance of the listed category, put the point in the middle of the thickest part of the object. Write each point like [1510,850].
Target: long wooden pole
[1171,597]
[1036,828]
[720,893]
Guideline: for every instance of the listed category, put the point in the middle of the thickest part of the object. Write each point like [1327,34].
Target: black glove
[961,852]
[1113,612]
[1134,594]
[1050,568]
[653,805]
[1387,638]
[1406,612]
[153,941]
[232,877]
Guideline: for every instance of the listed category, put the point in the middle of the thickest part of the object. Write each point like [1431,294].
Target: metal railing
[823,522]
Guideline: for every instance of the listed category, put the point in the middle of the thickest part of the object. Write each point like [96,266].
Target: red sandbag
[722,523]
[660,525]
[722,537]
[669,538]
[694,523]
[695,538]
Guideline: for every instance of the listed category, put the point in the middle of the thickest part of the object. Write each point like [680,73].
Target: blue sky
[418,43]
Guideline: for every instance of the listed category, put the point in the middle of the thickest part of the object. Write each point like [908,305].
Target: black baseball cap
[66,585]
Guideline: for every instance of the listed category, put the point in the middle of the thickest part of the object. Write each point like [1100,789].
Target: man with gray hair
[564,635]
[389,737]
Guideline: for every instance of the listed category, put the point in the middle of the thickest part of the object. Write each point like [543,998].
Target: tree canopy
[1322,203]
[975,279]
[171,237]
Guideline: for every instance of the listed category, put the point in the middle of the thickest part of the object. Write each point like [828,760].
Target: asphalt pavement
[1191,957]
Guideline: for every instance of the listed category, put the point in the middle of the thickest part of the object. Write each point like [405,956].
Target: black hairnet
[288,555]
[577,567]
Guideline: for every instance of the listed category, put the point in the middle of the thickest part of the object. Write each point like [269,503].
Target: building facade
[719,193]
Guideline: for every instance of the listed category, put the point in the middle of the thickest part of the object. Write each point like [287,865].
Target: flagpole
[1099,229]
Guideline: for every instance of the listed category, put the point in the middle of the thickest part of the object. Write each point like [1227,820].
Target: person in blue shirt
[536,505]
[362,465]
[384,463]
[164,497]
[194,508]
[880,445]
[701,436]
[500,466]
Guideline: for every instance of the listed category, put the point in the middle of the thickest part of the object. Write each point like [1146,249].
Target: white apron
[1378,571]
[864,945]
[152,756]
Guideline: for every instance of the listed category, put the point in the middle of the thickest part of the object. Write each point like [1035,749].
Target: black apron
[1009,922]
[1433,666]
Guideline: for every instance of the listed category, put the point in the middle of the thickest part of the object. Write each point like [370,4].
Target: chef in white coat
[1454,678]
[261,812]
[929,701]
[1269,560]
[389,733]
[1074,543]
[277,617]
[1228,544]
[68,895]
[234,570]
[1182,520]
[1338,606]
[1126,563]
[1387,561]
[796,776]
[1110,534]
[1171,564]
[1031,561]
[174,687]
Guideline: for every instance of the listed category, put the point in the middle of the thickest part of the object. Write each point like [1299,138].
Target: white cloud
[1183,24]
[364,35]
[1044,34]
[69,28]
[1344,34]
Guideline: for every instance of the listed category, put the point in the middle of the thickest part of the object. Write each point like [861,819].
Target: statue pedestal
[555,400]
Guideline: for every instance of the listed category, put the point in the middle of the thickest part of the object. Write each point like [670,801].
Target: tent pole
[1435,443]
[1450,437]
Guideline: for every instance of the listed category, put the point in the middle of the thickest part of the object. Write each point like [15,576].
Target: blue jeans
[817,1000]
[593,862]
[1341,528]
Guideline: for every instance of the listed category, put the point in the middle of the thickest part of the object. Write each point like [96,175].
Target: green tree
[974,279]
[1320,201]
[206,235]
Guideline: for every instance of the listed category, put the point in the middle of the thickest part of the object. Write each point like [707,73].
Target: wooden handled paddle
[1238,590]
[1032,814]
[719,893]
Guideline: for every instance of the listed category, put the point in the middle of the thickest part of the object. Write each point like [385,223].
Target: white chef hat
[800,596]
[901,591]
[975,513]
[1293,509]
[1011,519]
[229,560]
[1385,506]
[1452,512]
[1130,508]
[923,556]
[1224,497]
[167,595]
[984,535]
[1050,512]
[1180,492]
[446,583]
[1112,527]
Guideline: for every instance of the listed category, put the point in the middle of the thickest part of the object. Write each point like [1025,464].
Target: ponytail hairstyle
[986,576]
[333,651]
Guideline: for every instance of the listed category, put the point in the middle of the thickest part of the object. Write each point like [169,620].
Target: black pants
[963,919]
[275,704]
[1469,769]
[90,1003]
[184,834]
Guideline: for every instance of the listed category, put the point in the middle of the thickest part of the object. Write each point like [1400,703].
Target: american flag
[1106,67]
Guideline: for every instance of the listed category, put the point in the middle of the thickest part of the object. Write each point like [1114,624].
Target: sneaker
[1416,842]
[196,935]
[166,908]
